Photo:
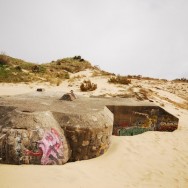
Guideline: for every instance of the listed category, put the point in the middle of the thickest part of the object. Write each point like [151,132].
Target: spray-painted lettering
[50,148]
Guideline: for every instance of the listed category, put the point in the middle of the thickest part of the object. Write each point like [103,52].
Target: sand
[151,159]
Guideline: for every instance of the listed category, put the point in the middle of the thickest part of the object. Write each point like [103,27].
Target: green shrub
[4,73]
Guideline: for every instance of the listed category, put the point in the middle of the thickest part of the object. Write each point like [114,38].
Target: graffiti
[124,124]
[169,126]
[138,119]
[50,148]
[133,131]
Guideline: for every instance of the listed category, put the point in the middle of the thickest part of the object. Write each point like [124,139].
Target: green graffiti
[133,131]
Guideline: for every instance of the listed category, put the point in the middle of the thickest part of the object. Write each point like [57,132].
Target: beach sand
[151,159]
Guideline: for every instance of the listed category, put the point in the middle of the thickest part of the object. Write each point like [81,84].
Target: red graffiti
[50,148]
[124,124]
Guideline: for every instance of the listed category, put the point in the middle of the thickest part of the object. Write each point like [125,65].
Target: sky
[136,37]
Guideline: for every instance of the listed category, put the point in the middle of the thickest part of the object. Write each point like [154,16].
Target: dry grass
[59,81]
[185,80]
[14,70]
[87,85]
[96,73]
[76,78]
[73,65]
[178,105]
[140,77]
[119,80]
[142,94]
[99,72]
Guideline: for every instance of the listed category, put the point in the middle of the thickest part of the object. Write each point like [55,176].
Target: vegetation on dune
[87,85]
[72,65]
[140,77]
[10,61]
[14,70]
[13,75]
[119,80]
[98,72]
[181,80]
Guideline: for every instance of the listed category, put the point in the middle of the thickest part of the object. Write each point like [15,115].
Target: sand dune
[151,159]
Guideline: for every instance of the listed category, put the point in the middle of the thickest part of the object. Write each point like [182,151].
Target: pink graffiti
[50,148]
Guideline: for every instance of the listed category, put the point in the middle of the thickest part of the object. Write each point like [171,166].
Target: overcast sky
[147,37]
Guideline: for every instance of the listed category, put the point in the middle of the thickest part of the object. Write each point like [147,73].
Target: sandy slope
[152,159]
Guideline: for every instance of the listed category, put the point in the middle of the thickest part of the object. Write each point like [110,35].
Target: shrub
[38,69]
[181,80]
[18,68]
[67,76]
[4,60]
[86,85]
[72,65]
[77,57]
[119,80]
[134,77]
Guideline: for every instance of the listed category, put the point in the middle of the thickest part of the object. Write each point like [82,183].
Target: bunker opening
[134,120]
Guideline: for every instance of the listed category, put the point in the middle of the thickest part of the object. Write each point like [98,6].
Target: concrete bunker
[133,120]
[45,137]
[38,129]
[28,137]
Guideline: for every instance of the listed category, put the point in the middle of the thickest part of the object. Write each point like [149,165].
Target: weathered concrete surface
[88,134]
[38,128]
[22,138]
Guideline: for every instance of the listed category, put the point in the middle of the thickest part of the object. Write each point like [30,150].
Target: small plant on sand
[119,80]
[86,85]
[59,81]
